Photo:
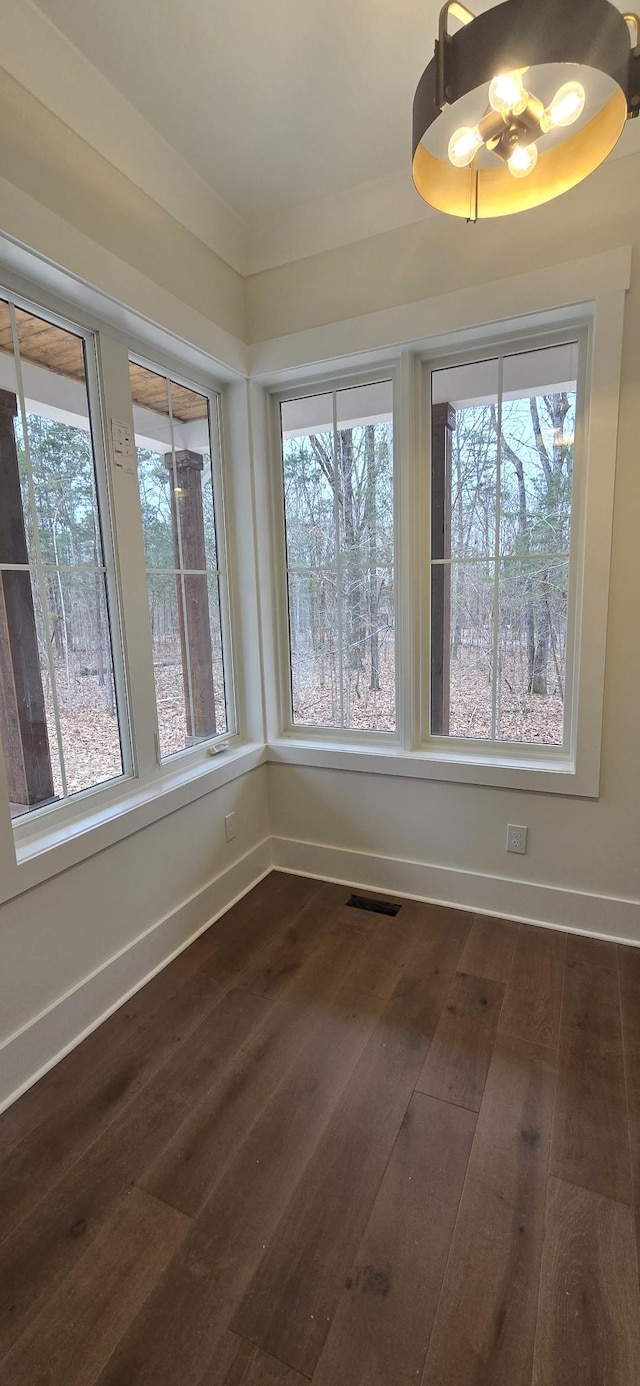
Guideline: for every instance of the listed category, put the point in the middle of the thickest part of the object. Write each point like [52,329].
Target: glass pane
[315,652]
[172,427]
[369,652]
[27,719]
[174,471]
[60,444]
[538,434]
[308,461]
[217,655]
[532,650]
[364,448]
[153,435]
[16,527]
[172,697]
[190,688]
[192,442]
[83,667]
[464,423]
[56,663]
[155,500]
[471,650]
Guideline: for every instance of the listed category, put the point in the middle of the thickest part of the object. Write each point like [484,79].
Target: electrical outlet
[516,838]
[230,827]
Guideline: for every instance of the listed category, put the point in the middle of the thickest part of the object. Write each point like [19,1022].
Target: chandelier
[522,103]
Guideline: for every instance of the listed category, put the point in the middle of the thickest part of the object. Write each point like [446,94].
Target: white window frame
[215,410]
[53,837]
[104,517]
[489,750]
[288,729]
[575,768]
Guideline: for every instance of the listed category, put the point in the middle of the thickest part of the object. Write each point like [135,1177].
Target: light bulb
[523,160]
[566,107]
[464,145]
[507,94]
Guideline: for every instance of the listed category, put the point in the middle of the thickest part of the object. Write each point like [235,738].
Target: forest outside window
[59,707]
[177,444]
[337,456]
[502,445]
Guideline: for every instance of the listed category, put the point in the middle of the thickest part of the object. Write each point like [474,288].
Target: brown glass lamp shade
[587,39]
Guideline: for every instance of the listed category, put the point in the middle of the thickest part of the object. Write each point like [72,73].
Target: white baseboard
[26,1055]
[550,906]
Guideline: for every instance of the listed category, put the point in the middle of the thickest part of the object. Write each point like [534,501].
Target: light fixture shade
[587,35]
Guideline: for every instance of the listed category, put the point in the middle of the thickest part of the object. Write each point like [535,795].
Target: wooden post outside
[23,722]
[443,422]
[187,503]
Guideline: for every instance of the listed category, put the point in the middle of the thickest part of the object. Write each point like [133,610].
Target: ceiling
[272,101]
[277,105]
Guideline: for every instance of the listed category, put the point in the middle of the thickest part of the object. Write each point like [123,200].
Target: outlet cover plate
[516,839]
[230,827]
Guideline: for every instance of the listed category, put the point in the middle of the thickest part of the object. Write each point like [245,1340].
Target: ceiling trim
[43,60]
[359,341]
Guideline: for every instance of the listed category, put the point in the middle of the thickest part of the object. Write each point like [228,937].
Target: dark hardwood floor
[328,1145]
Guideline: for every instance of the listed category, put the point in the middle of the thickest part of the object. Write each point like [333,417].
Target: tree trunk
[355,632]
[371,524]
[540,662]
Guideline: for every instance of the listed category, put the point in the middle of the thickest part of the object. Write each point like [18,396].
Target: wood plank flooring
[329,1146]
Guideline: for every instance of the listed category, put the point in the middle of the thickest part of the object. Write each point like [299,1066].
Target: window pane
[172,696]
[84,680]
[173,441]
[503,434]
[58,715]
[365,474]
[29,741]
[338,492]
[60,443]
[215,625]
[538,433]
[153,444]
[315,649]
[369,654]
[471,649]
[308,461]
[464,449]
[533,650]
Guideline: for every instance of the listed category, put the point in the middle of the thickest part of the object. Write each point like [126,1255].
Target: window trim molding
[283,725]
[491,751]
[48,841]
[104,517]
[601,314]
[214,397]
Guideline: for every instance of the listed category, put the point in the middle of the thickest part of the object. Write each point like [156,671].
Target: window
[502,451]
[59,707]
[177,443]
[337,456]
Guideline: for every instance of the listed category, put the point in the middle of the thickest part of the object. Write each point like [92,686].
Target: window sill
[53,843]
[542,774]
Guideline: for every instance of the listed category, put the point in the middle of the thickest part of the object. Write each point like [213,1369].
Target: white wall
[72,948]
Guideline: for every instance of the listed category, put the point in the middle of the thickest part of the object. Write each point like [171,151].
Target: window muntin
[337,457]
[503,437]
[177,444]
[59,715]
